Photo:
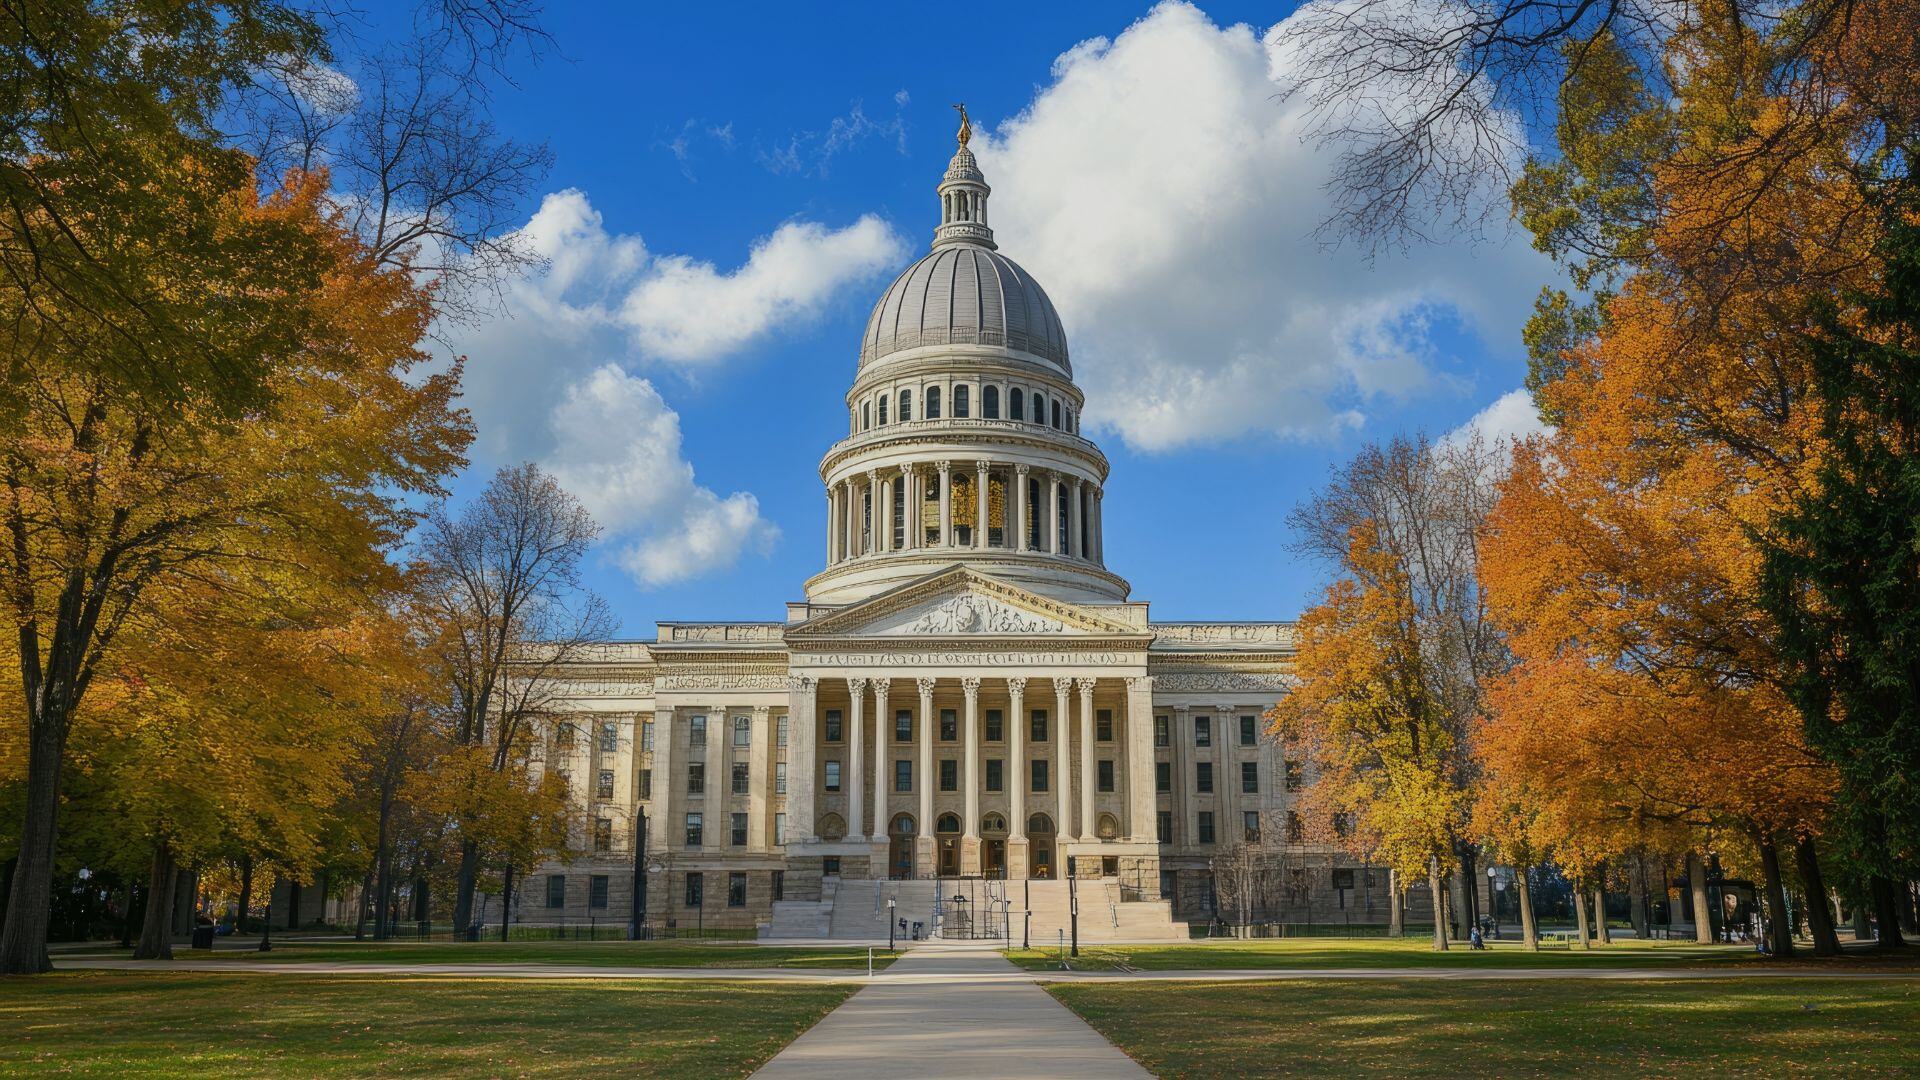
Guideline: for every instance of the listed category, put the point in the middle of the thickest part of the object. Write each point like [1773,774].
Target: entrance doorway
[1040,845]
[900,847]
[946,837]
[993,846]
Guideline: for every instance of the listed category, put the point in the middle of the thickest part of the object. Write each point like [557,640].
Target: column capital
[857,685]
[944,467]
[881,688]
[1062,686]
[1085,686]
[760,712]
[1226,710]
[802,683]
[1017,684]
[926,683]
[1022,469]
[971,684]
[1140,682]
[873,476]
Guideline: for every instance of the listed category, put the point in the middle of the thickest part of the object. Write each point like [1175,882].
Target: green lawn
[194,1025]
[1756,1027]
[1375,953]
[661,954]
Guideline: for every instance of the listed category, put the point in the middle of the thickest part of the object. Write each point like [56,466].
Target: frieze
[721,632]
[631,688]
[965,658]
[1223,681]
[1224,633]
[723,681]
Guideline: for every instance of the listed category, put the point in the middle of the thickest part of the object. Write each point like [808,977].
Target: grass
[657,954]
[1755,1027]
[1376,953]
[193,1025]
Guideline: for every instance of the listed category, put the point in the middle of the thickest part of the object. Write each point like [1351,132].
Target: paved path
[951,1012]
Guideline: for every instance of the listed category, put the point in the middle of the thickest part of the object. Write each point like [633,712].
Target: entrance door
[946,835]
[1040,839]
[900,834]
[994,863]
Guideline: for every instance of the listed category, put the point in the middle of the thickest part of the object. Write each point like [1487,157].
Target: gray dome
[963,294]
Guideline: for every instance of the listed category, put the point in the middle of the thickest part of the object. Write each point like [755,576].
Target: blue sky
[734,187]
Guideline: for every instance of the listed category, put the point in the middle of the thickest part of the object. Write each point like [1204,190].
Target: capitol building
[967,701]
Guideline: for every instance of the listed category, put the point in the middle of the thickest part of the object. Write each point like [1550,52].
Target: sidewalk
[943,1011]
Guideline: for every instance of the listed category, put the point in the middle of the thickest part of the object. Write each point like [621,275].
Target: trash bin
[203,936]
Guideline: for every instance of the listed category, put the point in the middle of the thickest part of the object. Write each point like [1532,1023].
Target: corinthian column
[1063,758]
[1141,823]
[980,504]
[880,735]
[1017,861]
[1017,505]
[881,505]
[856,760]
[970,830]
[923,730]
[1076,545]
[946,502]
[802,736]
[1087,775]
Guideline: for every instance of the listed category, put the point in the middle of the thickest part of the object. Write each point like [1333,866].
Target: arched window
[1015,411]
[960,402]
[993,823]
[906,405]
[1039,407]
[947,823]
[883,410]
[1108,828]
[832,828]
[902,825]
[866,415]
[1056,412]
[933,403]
[1039,823]
[990,403]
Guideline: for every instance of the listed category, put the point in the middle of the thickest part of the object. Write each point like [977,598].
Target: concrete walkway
[944,1011]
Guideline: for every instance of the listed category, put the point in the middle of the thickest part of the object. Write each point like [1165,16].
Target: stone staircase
[856,910]
[860,907]
[803,918]
[1104,917]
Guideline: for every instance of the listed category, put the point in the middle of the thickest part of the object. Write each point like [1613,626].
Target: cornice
[964,433]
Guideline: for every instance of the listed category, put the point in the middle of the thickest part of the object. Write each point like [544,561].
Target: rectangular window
[903,725]
[737,889]
[780,731]
[603,784]
[779,831]
[779,884]
[1163,777]
[1247,732]
[743,731]
[739,830]
[1039,774]
[696,889]
[1163,826]
[695,829]
[609,737]
[646,735]
[603,834]
[949,775]
[995,775]
[779,778]
[1162,732]
[903,774]
[1206,827]
[1038,726]
[740,778]
[1250,825]
[1250,777]
[597,891]
[696,778]
[830,866]
[835,732]
[996,726]
[1203,731]
[1343,879]
[696,730]
[833,776]
[1203,777]
[949,725]
[1106,774]
[1103,725]
[563,735]
[556,891]
[1293,775]
[646,783]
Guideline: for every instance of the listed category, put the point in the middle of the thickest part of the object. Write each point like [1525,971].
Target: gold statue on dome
[966,125]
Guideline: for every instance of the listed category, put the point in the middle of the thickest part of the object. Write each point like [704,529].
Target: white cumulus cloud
[1511,418]
[1166,197]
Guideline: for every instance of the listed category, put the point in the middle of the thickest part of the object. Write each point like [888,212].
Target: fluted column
[946,502]
[980,504]
[1018,505]
[830,527]
[1052,528]
[1141,824]
[923,731]
[719,825]
[802,738]
[1076,545]
[1087,773]
[881,734]
[1226,788]
[1063,759]
[759,786]
[878,488]
[1185,792]
[850,519]
[1018,864]
[664,807]
[1099,528]
[970,830]
[854,777]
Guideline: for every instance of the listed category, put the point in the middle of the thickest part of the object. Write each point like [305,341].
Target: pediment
[961,602]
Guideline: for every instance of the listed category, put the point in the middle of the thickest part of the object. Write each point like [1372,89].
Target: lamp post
[891,902]
[1073,904]
[1493,898]
[637,918]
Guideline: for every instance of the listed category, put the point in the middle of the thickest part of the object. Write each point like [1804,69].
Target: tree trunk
[1458,904]
[23,940]
[246,894]
[1439,905]
[1697,896]
[1580,917]
[1779,928]
[1600,933]
[1826,940]
[468,874]
[1396,906]
[156,929]
[1529,932]
[1886,911]
[506,900]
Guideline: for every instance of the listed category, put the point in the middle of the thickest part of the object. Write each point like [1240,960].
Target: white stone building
[966,691]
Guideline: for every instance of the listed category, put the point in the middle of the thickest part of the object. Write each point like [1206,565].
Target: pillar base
[923,855]
[969,856]
[1018,866]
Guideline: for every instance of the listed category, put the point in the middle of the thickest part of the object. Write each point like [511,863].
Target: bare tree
[510,613]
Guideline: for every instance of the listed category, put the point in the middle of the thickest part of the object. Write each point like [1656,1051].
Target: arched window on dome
[1039,407]
[866,415]
[960,402]
[1015,404]
[933,403]
[883,410]
[1056,412]
[989,403]
[906,405]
